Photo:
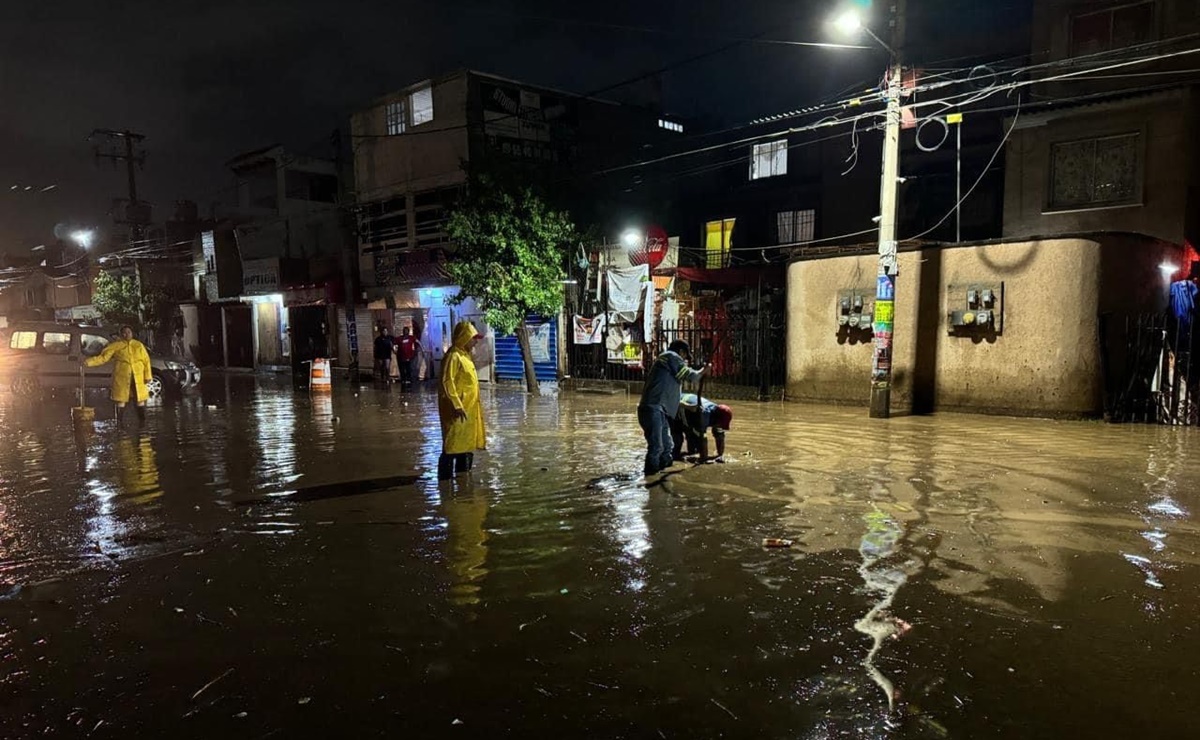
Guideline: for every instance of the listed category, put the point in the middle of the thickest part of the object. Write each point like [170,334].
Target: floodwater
[257,563]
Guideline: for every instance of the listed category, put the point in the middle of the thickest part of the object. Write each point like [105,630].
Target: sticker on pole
[885,314]
[885,289]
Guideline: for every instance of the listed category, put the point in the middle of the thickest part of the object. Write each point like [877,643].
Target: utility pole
[889,265]
[123,149]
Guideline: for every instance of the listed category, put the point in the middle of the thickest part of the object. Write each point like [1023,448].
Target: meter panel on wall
[854,310]
[975,309]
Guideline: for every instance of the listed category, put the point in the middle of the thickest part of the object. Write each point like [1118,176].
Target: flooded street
[258,563]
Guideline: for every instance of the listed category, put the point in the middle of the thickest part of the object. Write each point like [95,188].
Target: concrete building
[271,265]
[1111,151]
[411,148]
[1052,345]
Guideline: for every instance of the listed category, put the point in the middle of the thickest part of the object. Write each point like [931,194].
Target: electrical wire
[1011,127]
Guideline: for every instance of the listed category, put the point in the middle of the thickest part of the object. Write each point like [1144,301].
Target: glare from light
[632,239]
[848,23]
[1168,269]
[83,237]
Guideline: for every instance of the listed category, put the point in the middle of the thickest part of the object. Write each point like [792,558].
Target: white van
[43,354]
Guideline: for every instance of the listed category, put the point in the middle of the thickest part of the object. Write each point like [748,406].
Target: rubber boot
[446,467]
[141,415]
[464,462]
[120,416]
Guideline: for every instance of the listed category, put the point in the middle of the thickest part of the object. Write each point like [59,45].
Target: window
[670,125]
[718,237]
[1112,28]
[1095,172]
[769,159]
[795,227]
[23,340]
[92,344]
[396,115]
[208,244]
[56,343]
[421,104]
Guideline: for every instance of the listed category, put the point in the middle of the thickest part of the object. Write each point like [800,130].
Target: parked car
[43,354]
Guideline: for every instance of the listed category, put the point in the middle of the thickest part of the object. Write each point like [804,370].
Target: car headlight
[174,366]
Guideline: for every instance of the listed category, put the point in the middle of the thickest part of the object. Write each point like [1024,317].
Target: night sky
[205,81]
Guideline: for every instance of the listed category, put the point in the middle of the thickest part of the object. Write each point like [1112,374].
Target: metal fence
[746,354]
[1152,366]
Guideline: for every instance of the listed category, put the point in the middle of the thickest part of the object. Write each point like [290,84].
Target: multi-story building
[412,151]
[1107,143]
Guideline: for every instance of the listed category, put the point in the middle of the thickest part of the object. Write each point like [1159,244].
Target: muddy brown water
[258,563]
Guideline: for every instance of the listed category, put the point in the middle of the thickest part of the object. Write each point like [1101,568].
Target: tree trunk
[531,383]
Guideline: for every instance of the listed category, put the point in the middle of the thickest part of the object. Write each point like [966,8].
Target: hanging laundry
[626,291]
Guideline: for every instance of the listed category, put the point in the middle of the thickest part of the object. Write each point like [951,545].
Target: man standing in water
[660,403]
[407,348]
[383,354]
[131,372]
[459,408]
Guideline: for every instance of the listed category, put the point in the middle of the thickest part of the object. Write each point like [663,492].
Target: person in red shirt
[407,347]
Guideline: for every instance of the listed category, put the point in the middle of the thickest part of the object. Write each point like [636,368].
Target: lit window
[795,227]
[23,340]
[769,159]
[1095,172]
[718,237]
[396,113]
[56,343]
[670,125]
[1112,28]
[421,103]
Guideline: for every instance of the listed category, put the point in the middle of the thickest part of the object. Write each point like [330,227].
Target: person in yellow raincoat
[131,372]
[458,405]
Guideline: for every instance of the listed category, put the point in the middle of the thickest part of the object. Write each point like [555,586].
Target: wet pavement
[257,563]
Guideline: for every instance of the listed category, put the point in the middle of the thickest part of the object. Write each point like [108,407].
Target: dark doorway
[309,329]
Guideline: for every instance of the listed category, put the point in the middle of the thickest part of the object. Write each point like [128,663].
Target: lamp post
[883,323]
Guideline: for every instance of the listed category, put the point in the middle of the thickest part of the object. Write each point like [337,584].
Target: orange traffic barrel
[319,378]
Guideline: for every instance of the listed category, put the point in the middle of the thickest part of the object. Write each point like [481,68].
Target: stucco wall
[1046,360]
[1166,143]
[427,157]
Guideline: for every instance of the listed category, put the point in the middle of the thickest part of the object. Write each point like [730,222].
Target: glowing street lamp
[632,239]
[83,237]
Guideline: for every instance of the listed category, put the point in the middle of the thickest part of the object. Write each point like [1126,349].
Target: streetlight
[883,325]
[632,239]
[83,237]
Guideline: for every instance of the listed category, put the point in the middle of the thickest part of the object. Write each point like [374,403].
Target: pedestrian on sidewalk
[660,403]
[696,416]
[131,372]
[383,353]
[459,408]
[407,347]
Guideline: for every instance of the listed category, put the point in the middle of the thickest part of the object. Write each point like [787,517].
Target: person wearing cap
[660,403]
[696,416]
[459,408]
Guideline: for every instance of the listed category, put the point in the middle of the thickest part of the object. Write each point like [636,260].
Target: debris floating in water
[724,708]
[522,627]
[210,684]
[304,700]
[776,542]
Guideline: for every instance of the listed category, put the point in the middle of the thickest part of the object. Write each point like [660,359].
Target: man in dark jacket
[383,355]
[660,403]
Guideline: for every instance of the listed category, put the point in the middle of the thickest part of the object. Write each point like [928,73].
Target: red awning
[739,276]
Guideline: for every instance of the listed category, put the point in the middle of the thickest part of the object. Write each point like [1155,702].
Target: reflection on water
[551,588]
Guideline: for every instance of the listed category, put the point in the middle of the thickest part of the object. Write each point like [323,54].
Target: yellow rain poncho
[458,390]
[130,361]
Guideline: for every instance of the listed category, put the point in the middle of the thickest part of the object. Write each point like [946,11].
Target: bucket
[319,378]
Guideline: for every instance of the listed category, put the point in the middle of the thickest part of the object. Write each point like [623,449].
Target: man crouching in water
[660,403]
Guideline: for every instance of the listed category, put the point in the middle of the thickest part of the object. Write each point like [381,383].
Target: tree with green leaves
[117,299]
[511,248]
